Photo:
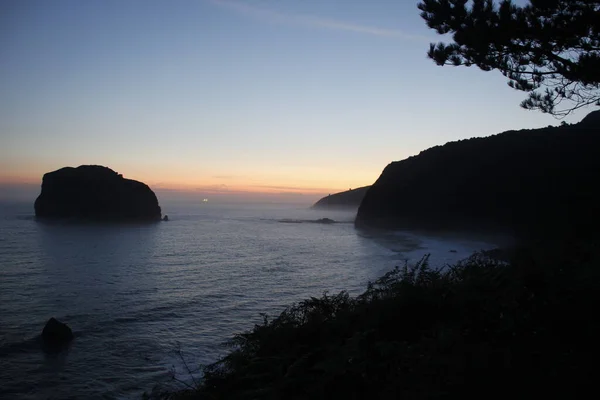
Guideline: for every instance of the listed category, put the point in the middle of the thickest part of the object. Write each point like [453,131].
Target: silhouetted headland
[525,183]
[95,193]
[350,199]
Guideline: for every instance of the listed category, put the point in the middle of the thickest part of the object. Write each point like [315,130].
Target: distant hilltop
[94,192]
[520,182]
[350,199]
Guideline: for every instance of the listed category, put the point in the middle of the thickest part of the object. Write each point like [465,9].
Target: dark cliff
[520,182]
[350,199]
[92,192]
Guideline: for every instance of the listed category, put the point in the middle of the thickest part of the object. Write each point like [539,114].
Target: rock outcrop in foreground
[92,192]
[521,182]
[56,334]
[349,199]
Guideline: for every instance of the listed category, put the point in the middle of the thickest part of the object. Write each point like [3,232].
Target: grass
[518,329]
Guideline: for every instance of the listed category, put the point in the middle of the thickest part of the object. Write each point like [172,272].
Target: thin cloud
[294,189]
[314,22]
[219,188]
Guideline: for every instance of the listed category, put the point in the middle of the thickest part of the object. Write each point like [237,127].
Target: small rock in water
[165,218]
[56,333]
[325,221]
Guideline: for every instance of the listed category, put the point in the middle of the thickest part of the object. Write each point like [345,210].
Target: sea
[151,303]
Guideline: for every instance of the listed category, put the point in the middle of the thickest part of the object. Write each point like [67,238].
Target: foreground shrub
[482,327]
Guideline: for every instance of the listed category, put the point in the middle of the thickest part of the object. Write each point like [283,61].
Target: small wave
[123,320]
[26,217]
[23,346]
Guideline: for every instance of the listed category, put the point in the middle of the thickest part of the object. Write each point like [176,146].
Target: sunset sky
[269,96]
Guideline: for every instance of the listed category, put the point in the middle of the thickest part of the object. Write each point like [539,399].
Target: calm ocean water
[138,296]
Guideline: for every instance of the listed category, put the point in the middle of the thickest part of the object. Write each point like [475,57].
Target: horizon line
[199,189]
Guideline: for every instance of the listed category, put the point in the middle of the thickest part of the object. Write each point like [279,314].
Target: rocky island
[95,193]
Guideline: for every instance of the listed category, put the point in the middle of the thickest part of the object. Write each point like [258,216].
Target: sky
[283,98]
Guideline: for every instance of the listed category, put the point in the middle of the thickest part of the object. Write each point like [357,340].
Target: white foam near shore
[445,250]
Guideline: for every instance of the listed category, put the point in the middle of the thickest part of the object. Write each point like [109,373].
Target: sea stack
[95,193]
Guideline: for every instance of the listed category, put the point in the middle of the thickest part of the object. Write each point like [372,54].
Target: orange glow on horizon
[213,186]
[18,180]
[246,189]
[310,180]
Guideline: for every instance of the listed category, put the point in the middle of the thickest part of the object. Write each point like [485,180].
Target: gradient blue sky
[276,96]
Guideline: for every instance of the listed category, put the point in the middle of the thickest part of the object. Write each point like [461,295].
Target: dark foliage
[523,329]
[526,183]
[551,44]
